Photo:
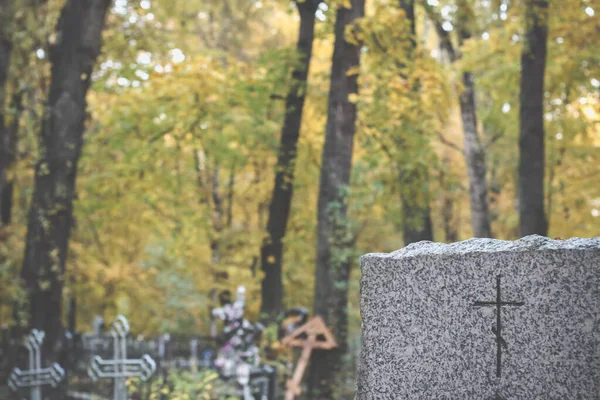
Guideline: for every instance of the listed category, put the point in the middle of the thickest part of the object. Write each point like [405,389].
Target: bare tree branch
[493,139]
[450,143]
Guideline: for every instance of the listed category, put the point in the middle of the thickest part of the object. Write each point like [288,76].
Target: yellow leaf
[353,98]
[353,70]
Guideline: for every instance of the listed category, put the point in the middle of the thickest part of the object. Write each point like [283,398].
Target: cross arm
[47,376]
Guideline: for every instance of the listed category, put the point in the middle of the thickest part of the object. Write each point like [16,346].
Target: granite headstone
[482,319]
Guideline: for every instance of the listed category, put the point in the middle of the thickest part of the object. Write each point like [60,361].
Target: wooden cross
[36,376]
[120,368]
[312,335]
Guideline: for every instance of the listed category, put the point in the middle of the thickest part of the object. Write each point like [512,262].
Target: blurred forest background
[209,155]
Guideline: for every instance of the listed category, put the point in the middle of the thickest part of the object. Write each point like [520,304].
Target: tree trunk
[531,140]
[6,9]
[272,247]
[474,151]
[416,217]
[9,148]
[475,158]
[50,217]
[333,237]
[447,206]
[408,6]
[450,231]
[9,134]
[230,195]
[416,221]
[217,216]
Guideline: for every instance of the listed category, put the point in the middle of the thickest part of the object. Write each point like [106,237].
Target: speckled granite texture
[424,337]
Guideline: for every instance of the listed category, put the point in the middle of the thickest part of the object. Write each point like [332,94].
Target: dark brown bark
[450,231]
[50,217]
[414,233]
[217,216]
[9,22]
[333,237]
[474,151]
[448,200]
[209,182]
[210,196]
[408,6]
[531,140]
[6,10]
[9,156]
[230,193]
[557,153]
[271,252]
[416,220]
[72,317]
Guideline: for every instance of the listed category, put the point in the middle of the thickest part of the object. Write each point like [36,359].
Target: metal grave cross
[36,376]
[120,368]
[497,330]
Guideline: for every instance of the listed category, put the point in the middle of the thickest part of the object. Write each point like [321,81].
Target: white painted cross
[36,376]
[120,368]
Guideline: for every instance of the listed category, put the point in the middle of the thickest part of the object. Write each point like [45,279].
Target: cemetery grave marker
[482,319]
[238,356]
[194,355]
[36,376]
[312,335]
[120,368]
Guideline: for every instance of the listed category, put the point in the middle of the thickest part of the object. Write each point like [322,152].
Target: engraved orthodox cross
[120,368]
[36,376]
[497,330]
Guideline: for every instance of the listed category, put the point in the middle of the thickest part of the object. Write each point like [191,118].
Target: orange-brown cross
[312,335]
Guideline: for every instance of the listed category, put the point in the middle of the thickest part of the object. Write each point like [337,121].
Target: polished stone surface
[430,325]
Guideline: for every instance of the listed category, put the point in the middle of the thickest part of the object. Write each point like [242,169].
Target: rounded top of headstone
[485,245]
